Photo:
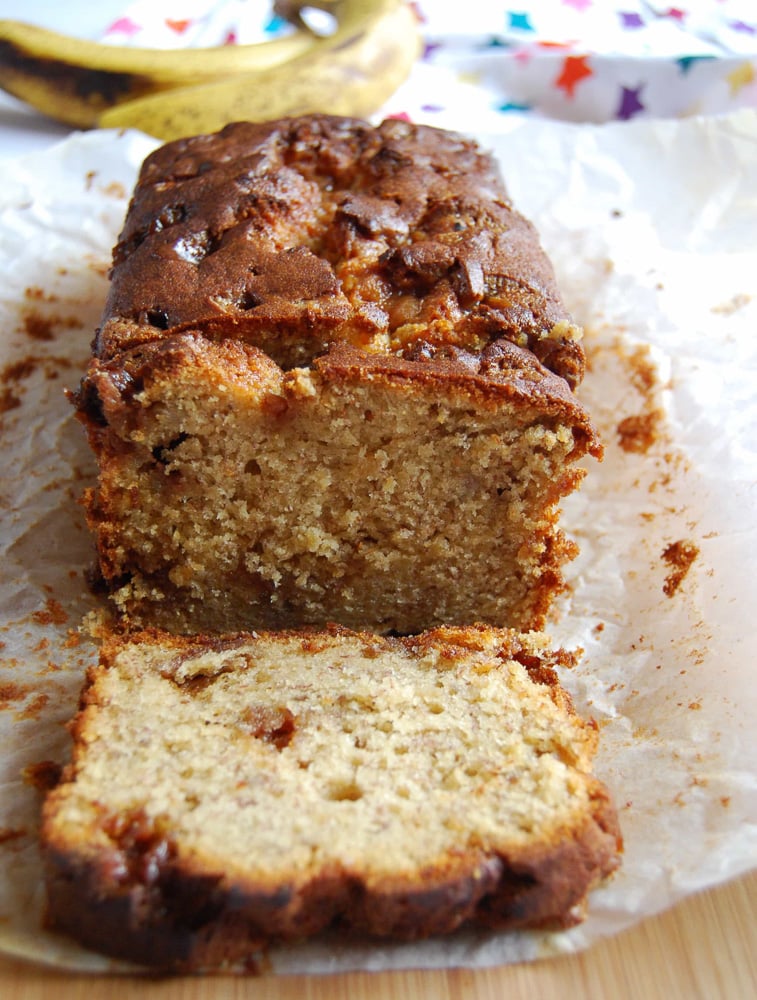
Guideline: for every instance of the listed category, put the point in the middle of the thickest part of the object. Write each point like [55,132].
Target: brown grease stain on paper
[37,326]
[10,834]
[11,692]
[44,775]
[14,374]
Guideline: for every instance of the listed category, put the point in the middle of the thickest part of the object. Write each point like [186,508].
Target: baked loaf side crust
[386,787]
[297,234]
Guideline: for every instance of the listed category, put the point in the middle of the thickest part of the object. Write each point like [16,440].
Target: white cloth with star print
[574,60]
[583,60]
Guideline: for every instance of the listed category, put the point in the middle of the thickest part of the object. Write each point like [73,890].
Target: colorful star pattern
[124,26]
[741,77]
[512,106]
[574,70]
[469,77]
[415,8]
[429,49]
[274,25]
[519,21]
[178,26]
[523,55]
[630,103]
[632,20]
[686,62]
[565,58]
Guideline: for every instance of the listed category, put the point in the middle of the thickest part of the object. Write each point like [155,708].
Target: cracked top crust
[302,233]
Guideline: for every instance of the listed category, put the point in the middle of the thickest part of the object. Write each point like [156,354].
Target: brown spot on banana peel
[98,88]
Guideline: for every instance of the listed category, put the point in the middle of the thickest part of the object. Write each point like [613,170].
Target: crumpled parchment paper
[651,229]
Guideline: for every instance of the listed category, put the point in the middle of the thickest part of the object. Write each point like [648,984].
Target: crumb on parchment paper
[640,431]
[680,556]
[53,613]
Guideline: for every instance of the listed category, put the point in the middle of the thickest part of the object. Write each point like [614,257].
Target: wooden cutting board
[703,949]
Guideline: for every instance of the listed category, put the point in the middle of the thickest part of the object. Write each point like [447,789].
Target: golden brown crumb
[640,431]
[679,556]
[53,613]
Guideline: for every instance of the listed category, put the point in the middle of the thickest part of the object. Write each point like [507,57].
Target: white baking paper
[651,227]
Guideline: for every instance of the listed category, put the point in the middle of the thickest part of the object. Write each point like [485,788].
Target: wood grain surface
[703,949]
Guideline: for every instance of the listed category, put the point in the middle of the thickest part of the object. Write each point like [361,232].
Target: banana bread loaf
[333,383]
[230,792]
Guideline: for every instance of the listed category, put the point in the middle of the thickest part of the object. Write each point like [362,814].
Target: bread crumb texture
[234,495]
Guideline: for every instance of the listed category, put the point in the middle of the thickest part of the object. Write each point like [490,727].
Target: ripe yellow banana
[351,72]
[74,80]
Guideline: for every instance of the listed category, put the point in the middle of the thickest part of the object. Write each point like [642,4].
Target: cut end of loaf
[392,494]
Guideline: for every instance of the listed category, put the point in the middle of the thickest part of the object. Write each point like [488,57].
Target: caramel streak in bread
[333,383]
[230,792]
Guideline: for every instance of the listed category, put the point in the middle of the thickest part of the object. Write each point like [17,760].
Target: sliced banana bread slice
[227,793]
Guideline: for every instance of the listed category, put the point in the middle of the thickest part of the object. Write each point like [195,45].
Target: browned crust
[300,233]
[184,921]
[452,642]
[106,393]
[501,374]
[503,371]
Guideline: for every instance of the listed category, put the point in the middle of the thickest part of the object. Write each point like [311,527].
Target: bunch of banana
[174,93]
[74,80]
